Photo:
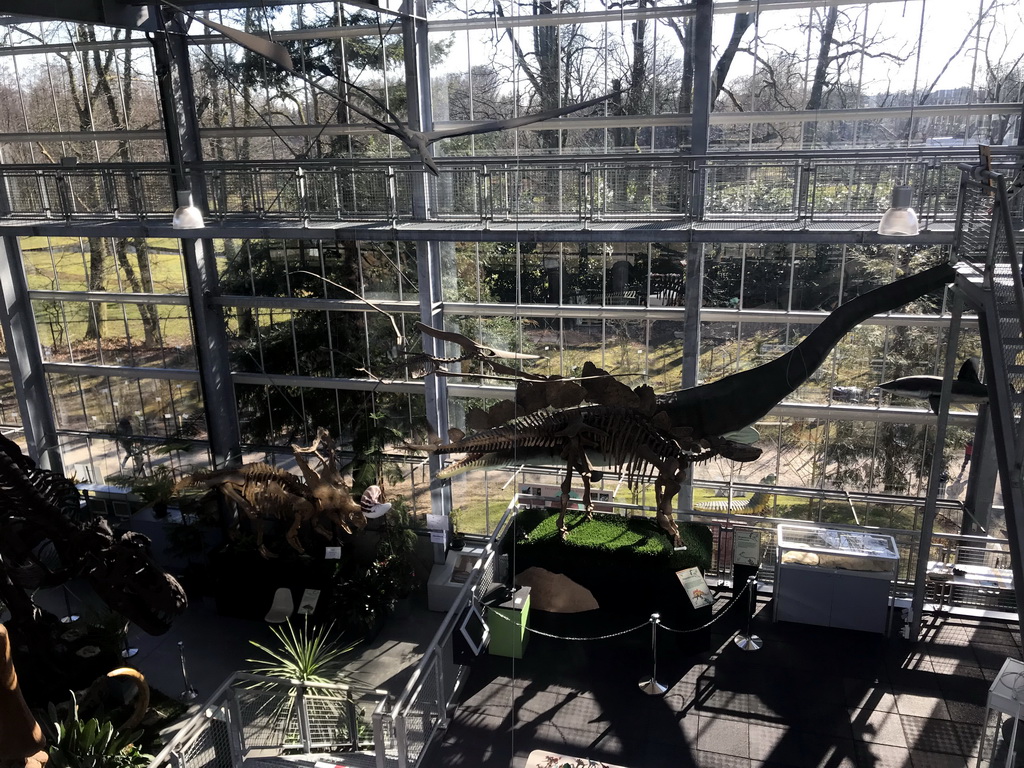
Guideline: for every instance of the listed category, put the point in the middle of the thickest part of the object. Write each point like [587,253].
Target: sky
[941,24]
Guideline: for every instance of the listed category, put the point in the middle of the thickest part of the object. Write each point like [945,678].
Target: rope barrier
[732,601]
[561,637]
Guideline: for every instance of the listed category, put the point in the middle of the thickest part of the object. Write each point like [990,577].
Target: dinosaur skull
[130,583]
[338,506]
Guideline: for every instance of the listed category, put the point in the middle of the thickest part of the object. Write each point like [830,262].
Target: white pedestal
[445,583]
[1002,717]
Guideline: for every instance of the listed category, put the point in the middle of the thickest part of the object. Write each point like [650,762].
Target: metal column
[26,358]
[938,465]
[702,29]
[429,253]
[177,101]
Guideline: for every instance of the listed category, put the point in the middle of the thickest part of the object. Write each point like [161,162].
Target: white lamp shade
[187,216]
[900,219]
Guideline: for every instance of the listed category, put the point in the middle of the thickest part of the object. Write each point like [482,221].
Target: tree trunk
[99,258]
[814,100]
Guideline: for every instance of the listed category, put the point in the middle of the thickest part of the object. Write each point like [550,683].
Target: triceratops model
[38,511]
[644,436]
[263,492]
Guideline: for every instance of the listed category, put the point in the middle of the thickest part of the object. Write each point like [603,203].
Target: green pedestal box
[506,618]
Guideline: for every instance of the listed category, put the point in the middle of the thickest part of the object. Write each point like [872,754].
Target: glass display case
[835,578]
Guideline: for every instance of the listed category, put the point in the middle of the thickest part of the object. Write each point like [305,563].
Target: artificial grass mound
[628,563]
[634,541]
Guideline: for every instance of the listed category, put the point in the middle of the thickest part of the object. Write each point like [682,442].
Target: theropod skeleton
[661,436]
[42,544]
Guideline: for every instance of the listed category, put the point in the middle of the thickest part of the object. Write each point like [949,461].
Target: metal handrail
[287,189]
[194,727]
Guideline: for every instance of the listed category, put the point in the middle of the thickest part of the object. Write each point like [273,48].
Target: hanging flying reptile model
[645,436]
[417,142]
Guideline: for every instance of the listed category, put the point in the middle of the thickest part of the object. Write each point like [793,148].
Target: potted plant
[77,743]
[458,541]
[366,593]
[156,488]
[308,654]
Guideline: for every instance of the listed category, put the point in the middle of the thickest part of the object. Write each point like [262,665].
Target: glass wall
[321,327]
[10,415]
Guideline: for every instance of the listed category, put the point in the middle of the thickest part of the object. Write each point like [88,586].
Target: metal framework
[689,196]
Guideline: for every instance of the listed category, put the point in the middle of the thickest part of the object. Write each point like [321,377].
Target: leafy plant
[309,654]
[364,594]
[92,743]
[366,597]
[155,488]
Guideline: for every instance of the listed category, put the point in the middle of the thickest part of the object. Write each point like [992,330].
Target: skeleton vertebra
[662,436]
[37,510]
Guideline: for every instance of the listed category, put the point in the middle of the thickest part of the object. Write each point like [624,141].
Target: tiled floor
[810,697]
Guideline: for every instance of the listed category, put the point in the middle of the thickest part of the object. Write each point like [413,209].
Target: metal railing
[825,188]
[953,550]
[252,716]
[421,711]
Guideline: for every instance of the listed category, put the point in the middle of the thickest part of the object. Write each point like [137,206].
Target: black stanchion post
[652,686]
[190,693]
[747,640]
[127,652]
[69,617]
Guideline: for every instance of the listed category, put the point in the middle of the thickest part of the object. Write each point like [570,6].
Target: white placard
[696,588]
[746,547]
[308,602]
[332,553]
[439,537]
[437,522]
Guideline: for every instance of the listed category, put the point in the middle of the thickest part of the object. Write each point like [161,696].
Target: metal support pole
[431,256]
[748,641]
[699,138]
[69,617]
[190,693]
[177,98]
[304,733]
[127,652]
[18,324]
[938,466]
[652,686]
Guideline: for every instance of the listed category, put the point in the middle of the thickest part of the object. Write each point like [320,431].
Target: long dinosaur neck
[741,399]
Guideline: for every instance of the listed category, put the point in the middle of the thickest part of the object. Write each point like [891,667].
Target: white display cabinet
[835,578]
[1000,744]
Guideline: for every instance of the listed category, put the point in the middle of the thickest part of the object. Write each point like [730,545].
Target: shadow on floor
[812,696]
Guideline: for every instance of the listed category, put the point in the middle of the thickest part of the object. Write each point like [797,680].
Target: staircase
[987,248]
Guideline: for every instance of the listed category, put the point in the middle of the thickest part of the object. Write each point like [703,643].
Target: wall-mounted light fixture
[187,216]
[900,219]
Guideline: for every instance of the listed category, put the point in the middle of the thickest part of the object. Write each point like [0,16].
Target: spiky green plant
[309,654]
[92,743]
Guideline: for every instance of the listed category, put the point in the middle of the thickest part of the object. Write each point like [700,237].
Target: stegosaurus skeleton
[638,433]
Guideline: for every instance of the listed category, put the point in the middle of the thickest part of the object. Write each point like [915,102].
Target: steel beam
[429,252]
[177,100]
[938,466]
[632,231]
[110,13]
[26,360]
